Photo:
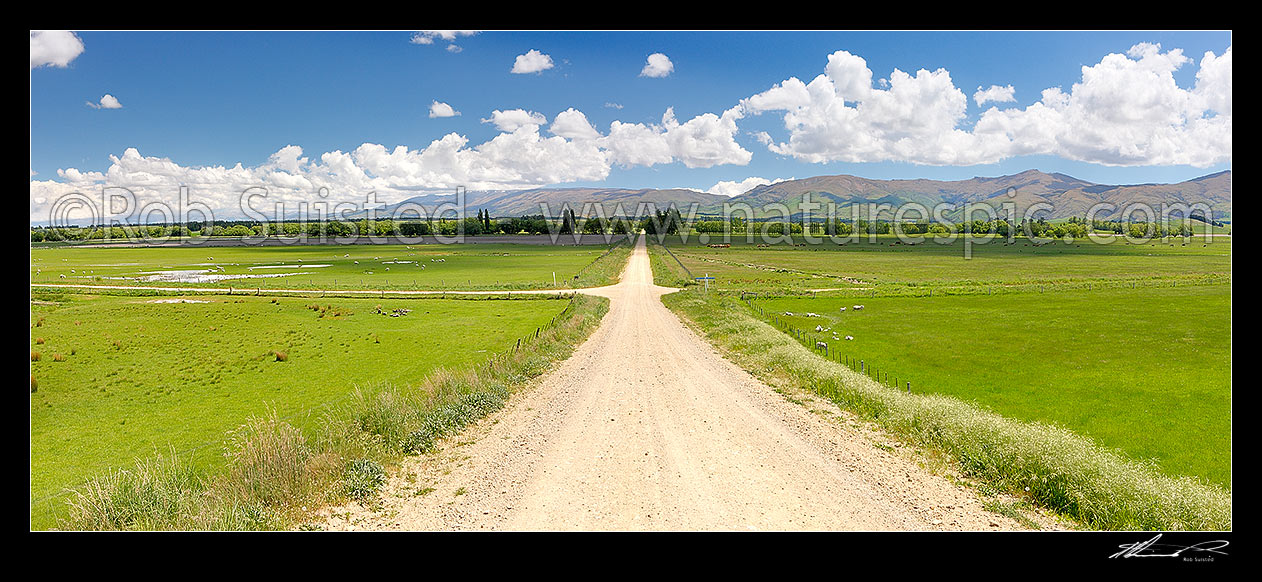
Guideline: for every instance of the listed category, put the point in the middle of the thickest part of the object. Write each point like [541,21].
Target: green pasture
[1146,371]
[885,262]
[122,377]
[433,266]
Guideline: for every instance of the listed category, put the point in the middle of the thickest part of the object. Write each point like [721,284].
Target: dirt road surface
[647,427]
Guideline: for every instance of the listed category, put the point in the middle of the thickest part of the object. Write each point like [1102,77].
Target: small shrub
[363,478]
[59,358]
[34,385]
[282,357]
[34,356]
[39,341]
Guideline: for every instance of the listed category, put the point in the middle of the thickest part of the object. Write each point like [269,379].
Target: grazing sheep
[809,314]
[789,313]
[843,309]
[819,328]
[849,337]
[821,345]
[858,307]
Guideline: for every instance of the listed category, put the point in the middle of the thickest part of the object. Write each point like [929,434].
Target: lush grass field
[886,264]
[1147,371]
[137,377]
[434,266]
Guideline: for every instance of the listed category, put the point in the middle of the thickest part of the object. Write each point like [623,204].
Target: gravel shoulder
[647,427]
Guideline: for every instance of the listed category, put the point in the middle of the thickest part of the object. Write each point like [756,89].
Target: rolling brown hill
[1068,196]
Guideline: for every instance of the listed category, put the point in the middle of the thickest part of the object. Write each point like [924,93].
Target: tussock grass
[1046,465]
[277,474]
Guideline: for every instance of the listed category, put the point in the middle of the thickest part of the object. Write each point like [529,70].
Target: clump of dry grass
[267,463]
[59,358]
[35,356]
[281,356]
[39,341]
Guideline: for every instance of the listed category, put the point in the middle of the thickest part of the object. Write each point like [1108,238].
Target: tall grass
[277,475]
[1047,465]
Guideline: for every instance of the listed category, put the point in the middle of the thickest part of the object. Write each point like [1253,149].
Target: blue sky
[219,99]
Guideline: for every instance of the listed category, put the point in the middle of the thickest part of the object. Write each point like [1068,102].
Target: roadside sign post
[707,278]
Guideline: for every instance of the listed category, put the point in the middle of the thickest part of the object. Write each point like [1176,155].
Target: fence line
[681,263]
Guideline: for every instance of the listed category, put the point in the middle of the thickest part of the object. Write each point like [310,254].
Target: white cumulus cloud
[658,65]
[440,109]
[531,62]
[54,48]
[733,188]
[1126,110]
[996,94]
[518,157]
[428,36]
[573,124]
[510,120]
[107,102]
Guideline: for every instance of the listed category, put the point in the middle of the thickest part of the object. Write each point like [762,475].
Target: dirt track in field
[647,427]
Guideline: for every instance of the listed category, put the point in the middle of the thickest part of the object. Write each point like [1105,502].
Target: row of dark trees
[667,222]
[482,224]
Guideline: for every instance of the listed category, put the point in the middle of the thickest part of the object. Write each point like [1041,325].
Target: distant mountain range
[1067,196]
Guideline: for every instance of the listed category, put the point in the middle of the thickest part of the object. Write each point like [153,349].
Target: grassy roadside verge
[667,270]
[606,269]
[277,474]
[1046,465]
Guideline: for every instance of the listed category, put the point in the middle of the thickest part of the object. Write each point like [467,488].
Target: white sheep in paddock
[849,337]
[819,328]
[858,307]
[821,345]
[809,314]
[843,309]
[789,313]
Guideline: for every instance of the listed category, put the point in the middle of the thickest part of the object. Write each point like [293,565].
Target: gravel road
[647,427]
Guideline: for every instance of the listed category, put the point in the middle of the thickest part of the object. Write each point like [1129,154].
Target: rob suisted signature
[1152,549]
